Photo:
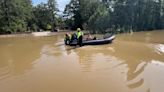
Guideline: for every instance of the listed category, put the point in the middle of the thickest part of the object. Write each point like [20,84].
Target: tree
[44,16]
[15,15]
[122,15]
[72,11]
[41,18]
[53,12]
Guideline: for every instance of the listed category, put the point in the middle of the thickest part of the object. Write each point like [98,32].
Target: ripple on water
[4,73]
[160,48]
[153,76]
[127,65]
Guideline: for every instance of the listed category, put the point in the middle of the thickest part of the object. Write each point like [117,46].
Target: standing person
[80,37]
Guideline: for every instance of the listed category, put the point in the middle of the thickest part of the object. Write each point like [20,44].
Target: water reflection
[127,64]
[135,54]
[18,55]
[139,52]
[85,58]
[136,58]
[18,59]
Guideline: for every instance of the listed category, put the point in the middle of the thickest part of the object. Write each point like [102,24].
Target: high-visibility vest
[67,37]
[79,34]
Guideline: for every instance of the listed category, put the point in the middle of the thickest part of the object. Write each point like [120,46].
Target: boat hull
[96,42]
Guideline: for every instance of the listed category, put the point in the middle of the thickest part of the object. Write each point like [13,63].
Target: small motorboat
[105,40]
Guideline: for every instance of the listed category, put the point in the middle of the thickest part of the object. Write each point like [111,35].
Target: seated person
[67,38]
[95,38]
[73,37]
[89,37]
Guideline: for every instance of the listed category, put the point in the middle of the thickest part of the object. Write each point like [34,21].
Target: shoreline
[48,33]
[33,34]
[36,34]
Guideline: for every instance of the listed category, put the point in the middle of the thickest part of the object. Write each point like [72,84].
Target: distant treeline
[115,15]
[22,16]
[95,15]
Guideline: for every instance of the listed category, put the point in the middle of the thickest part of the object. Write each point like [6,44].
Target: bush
[49,27]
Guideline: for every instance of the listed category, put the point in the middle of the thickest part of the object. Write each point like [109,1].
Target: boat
[105,40]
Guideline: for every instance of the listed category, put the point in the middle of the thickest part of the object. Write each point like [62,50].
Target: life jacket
[67,37]
[79,34]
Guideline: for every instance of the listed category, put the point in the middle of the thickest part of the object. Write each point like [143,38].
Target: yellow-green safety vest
[79,34]
[67,37]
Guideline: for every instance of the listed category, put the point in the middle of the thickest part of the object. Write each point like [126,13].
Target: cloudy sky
[61,3]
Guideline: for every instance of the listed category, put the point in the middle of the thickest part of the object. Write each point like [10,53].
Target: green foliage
[98,16]
[45,14]
[41,18]
[72,11]
[118,15]
[99,20]
[49,27]
[20,15]
[52,12]
[14,15]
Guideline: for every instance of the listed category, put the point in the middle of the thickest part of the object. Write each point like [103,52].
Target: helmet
[78,29]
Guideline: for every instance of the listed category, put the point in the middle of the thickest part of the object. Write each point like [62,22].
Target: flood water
[132,63]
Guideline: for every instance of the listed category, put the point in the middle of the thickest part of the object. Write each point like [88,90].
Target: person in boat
[89,37]
[94,38]
[73,37]
[80,37]
[67,38]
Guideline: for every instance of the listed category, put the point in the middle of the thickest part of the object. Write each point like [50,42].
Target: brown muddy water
[132,63]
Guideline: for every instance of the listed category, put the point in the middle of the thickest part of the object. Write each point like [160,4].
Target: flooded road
[132,63]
